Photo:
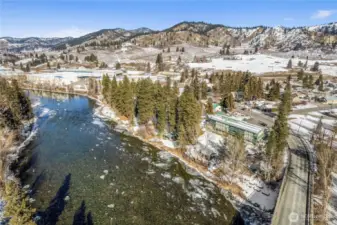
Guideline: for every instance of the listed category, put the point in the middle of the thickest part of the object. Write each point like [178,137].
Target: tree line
[14,105]
[151,102]
[277,140]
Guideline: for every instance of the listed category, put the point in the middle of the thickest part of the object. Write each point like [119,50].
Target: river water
[78,170]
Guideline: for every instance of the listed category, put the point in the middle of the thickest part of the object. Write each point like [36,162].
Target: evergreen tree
[145,102]
[27,68]
[17,206]
[315,67]
[320,88]
[300,64]
[209,109]
[113,92]
[48,65]
[259,93]
[160,111]
[290,64]
[300,74]
[228,102]
[106,86]
[127,102]
[159,62]
[179,60]
[305,66]
[118,66]
[189,112]
[196,87]
[311,81]
[58,66]
[204,90]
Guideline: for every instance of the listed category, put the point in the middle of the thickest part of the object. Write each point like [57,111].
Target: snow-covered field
[305,125]
[255,190]
[263,63]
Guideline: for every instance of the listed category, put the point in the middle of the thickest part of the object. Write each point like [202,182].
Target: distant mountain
[117,34]
[279,38]
[323,37]
[34,43]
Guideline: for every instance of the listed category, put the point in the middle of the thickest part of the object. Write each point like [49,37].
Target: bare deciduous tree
[235,155]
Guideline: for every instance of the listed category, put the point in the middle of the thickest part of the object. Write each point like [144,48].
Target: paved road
[292,203]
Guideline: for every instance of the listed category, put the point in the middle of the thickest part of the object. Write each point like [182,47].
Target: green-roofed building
[222,123]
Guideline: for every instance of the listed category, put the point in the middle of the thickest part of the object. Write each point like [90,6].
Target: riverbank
[249,211]
[232,192]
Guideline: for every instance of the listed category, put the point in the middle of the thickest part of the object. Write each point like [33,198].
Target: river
[78,170]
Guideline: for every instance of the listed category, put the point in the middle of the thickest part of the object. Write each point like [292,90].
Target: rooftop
[237,123]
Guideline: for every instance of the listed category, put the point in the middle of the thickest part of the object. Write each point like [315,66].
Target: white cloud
[288,19]
[69,32]
[321,14]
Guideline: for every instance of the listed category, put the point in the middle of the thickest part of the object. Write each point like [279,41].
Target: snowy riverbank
[255,200]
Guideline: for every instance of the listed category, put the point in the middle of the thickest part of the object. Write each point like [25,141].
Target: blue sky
[23,18]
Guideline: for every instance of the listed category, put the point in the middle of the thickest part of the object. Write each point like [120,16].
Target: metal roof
[237,123]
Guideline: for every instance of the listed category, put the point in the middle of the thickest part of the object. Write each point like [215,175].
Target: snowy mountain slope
[31,43]
[320,37]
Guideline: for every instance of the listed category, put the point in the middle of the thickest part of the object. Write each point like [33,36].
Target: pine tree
[145,101]
[204,90]
[58,66]
[300,74]
[311,81]
[315,67]
[113,92]
[106,86]
[27,68]
[159,62]
[179,60]
[189,112]
[17,206]
[48,65]
[196,87]
[228,102]
[127,102]
[118,66]
[259,93]
[320,88]
[209,108]
[290,64]
[160,94]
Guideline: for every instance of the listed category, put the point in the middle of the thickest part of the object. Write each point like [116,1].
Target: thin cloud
[322,14]
[69,32]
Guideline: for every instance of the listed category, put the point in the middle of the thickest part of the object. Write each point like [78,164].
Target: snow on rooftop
[237,123]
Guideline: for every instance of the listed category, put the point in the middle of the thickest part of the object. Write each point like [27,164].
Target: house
[222,123]
[217,107]
[331,100]
[296,99]
[237,95]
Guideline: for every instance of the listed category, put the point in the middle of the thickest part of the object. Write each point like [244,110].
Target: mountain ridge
[196,33]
